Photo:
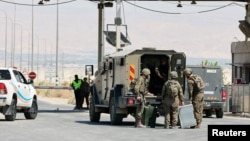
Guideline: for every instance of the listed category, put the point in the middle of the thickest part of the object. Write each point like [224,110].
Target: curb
[245,115]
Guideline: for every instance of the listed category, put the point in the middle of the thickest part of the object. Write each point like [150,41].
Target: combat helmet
[173,74]
[188,71]
[146,71]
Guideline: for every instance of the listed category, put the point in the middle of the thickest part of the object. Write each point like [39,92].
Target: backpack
[172,88]
[133,83]
[199,84]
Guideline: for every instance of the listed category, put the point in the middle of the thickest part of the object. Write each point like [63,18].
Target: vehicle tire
[31,113]
[12,107]
[115,119]
[208,113]
[219,113]
[94,116]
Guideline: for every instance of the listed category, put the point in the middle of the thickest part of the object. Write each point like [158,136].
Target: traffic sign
[32,75]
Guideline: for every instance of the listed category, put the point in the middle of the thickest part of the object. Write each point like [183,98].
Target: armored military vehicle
[215,95]
[111,92]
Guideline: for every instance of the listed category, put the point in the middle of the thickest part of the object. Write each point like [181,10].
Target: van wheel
[12,107]
[93,115]
[208,113]
[219,113]
[115,119]
[31,112]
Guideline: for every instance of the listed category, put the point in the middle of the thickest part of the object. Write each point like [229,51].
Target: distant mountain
[82,59]
[224,63]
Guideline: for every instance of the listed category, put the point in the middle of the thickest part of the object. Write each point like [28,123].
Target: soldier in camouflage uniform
[196,95]
[141,90]
[172,96]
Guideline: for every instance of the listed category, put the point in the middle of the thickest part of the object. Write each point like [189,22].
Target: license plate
[2,100]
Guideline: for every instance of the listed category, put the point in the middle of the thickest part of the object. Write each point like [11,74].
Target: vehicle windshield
[4,75]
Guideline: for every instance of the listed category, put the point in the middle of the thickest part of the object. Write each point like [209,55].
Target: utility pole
[118,22]
[100,32]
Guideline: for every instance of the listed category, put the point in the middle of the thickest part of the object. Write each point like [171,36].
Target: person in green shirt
[76,85]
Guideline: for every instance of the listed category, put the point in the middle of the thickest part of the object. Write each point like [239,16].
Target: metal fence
[238,98]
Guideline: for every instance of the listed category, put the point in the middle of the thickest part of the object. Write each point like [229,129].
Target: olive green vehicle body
[111,92]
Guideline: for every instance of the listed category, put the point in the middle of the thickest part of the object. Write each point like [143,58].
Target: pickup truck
[17,94]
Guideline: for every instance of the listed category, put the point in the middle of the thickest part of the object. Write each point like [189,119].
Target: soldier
[141,89]
[172,96]
[196,94]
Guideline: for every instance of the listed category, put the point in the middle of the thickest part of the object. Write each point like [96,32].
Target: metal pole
[12,24]
[37,57]
[5,53]
[118,22]
[13,49]
[28,53]
[100,32]
[32,38]
[21,46]
[21,55]
[57,43]
[45,54]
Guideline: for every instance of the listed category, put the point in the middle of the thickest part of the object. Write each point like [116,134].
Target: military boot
[174,126]
[198,125]
[166,126]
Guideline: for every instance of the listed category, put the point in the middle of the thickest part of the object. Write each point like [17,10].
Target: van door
[214,83]
[178,64]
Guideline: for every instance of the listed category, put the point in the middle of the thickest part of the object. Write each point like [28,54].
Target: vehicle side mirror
[30,81]
[89,69]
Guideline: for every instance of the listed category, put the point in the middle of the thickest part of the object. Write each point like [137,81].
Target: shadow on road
[107,123]
[63,111]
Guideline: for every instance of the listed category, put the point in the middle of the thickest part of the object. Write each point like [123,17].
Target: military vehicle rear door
[212,77]
[178,63]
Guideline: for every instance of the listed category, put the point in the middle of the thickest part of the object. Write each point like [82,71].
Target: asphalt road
[61,123]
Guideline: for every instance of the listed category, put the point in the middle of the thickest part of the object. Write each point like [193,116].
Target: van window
[4,75]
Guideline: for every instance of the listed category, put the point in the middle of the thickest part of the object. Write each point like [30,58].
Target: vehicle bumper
[3,101]
[213,105]
[124,101]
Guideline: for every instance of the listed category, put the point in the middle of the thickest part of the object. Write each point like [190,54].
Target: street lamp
[57,17]
[5,53]
[32,37]
[12,25]
[13,47]
[21,45]
[37,59]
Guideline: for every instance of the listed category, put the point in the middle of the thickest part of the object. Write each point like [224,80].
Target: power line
[164,12]
[23,4]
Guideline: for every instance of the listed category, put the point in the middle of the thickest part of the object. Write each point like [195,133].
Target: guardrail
[53,87]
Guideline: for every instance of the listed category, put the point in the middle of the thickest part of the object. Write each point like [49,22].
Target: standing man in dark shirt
[85,91]
[162,70]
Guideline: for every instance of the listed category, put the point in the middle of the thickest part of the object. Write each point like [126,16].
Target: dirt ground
[56,96]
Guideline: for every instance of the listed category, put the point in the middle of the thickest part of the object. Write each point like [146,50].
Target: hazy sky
[202,30]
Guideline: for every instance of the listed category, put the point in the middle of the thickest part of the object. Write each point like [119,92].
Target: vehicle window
[17,76]
[22,78]
[4,75]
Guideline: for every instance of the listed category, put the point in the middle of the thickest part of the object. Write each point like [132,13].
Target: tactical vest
[77,85]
